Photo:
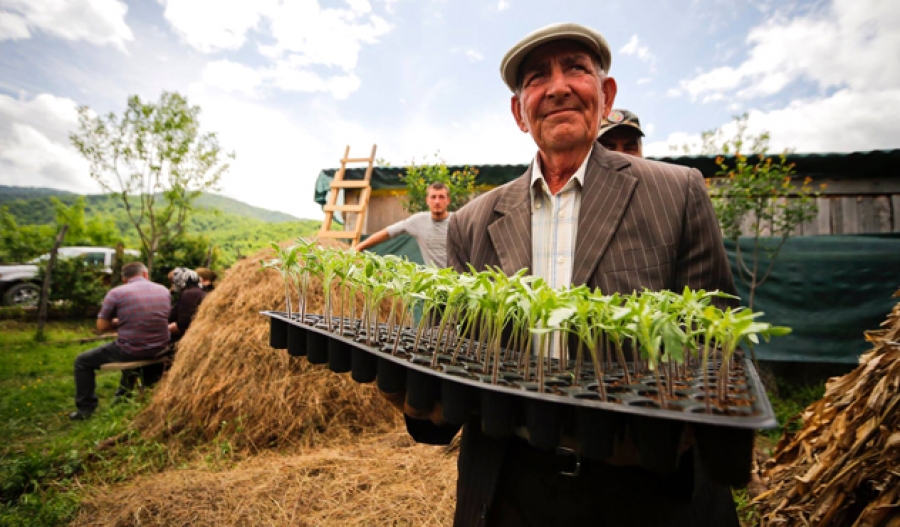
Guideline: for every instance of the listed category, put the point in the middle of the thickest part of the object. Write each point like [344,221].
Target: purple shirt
[142,308]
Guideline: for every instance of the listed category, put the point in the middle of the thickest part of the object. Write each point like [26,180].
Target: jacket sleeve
[702,261]
[187,307]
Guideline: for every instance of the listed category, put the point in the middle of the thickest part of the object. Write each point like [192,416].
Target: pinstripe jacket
[642,224]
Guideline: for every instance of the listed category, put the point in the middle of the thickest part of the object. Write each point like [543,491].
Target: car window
[95,258]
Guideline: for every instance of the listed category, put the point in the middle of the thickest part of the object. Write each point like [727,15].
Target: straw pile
[381,481]
[227,382]
[843,467]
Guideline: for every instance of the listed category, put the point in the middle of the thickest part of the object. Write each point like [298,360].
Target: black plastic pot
[458,400]
[391,376]
[339,356]
[726,454]
[597,432]
[658,442]
[544,420]
[498,413]
[296,340]
[422,390]
[363,365]
[278,329]
[316,347]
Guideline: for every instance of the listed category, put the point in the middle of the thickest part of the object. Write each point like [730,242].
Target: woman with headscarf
[187,282]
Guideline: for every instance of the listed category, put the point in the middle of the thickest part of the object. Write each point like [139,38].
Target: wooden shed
[862,193]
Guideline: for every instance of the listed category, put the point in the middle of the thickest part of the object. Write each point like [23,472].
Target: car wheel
[22,295]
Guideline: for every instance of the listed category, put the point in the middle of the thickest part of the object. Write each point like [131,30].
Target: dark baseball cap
[620,118]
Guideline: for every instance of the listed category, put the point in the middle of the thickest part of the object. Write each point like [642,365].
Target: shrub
[461,184]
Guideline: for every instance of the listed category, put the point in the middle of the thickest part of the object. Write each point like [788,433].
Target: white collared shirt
[554,229]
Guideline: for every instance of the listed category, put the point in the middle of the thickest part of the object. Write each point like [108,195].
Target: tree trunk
[116,277]
[45,287]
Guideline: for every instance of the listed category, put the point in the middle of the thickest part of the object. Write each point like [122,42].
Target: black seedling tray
[724,438]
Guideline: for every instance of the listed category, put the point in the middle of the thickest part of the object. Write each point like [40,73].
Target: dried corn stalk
[843,466]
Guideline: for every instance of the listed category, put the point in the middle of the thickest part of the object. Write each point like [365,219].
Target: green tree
[20,243]
[98,231]
[155,160]
[755,195]
[461,184]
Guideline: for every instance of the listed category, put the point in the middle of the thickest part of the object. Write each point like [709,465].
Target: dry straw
[383,480]
[843,466]
[227,382]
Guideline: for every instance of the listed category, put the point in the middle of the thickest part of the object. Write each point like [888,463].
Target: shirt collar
[537,176]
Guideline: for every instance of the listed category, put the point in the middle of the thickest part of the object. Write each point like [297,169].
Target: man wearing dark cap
[621,131]
[581,214]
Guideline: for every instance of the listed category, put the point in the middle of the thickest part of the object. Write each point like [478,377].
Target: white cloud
[634,48]
[846,121]
[99,22]
[34,144]
[211,25]
[306,41]
[13,27]
[474,55]
[231,77]
[503,5]
[848,44]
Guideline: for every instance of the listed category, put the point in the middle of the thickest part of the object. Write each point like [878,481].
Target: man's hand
[173,328]
[104,325]
[398,401]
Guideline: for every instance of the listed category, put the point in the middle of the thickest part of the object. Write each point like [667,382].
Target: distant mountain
[239,208]
[36,201]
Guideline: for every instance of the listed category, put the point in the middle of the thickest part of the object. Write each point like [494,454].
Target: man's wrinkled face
[623,139]
[562,96]
[437,201]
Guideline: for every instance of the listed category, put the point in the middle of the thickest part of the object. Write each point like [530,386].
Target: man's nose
[558,84]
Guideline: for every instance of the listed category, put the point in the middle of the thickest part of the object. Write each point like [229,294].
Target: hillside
[234,227]
[32,206]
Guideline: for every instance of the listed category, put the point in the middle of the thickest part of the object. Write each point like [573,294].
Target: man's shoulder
[141,287]
[483,205]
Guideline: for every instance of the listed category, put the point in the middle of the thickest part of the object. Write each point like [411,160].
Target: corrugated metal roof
[850,165]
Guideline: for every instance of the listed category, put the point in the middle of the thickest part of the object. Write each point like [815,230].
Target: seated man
[621,131]
[140,310]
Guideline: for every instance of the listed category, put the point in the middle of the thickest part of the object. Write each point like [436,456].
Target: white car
[20,284]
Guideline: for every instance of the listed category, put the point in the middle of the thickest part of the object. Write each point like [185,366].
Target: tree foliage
[461,184]
[20,243]
[755,195]
[155,160]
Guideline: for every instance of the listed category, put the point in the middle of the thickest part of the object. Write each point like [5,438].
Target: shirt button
[561,259]
[562,214]
[537,205]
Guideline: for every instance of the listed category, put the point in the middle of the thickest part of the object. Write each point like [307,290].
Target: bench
[126,367]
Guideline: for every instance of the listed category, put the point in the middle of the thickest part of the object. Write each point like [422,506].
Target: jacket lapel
[511,233]
[604,199]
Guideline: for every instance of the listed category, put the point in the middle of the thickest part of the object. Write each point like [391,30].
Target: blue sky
[287,84]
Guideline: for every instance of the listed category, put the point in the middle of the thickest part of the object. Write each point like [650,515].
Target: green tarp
[829,289]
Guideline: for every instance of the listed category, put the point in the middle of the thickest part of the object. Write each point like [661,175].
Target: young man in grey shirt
[428,228]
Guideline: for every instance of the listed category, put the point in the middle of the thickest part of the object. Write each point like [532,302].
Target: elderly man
[581,215]
[139,309]
[621,131]
[428,228]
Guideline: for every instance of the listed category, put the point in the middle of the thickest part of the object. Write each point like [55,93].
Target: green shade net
[829,289]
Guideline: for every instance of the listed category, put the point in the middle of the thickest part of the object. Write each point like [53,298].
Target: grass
[48,462]
[44,457]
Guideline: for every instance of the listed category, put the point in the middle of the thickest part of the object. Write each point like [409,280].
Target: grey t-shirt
[429,234]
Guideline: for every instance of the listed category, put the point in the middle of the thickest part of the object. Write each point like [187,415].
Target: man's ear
[610,89]
[517,113]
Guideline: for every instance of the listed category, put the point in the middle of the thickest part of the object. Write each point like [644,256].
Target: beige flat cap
[509,66]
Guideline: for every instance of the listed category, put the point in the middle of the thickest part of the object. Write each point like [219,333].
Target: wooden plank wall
[851,206]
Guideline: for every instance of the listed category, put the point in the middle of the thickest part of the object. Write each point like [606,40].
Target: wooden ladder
[356,199]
